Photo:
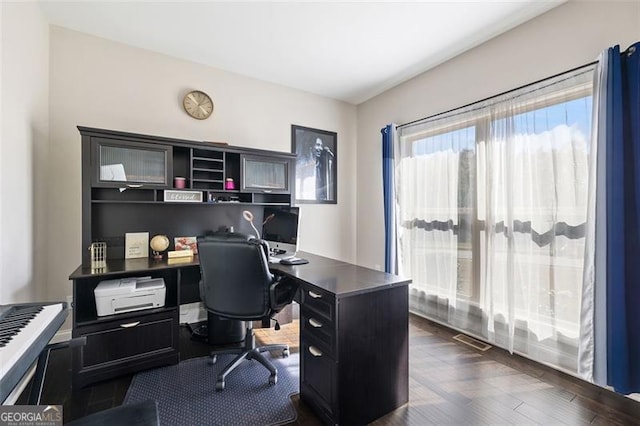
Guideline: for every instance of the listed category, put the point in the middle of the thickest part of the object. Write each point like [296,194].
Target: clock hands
[198,104]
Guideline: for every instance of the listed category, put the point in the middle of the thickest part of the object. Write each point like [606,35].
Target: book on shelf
[177,260]
[179,253]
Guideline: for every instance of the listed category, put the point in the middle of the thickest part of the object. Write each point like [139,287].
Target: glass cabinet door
[130,163]
[264,174]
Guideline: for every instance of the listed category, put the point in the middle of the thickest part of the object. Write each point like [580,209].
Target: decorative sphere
[159,243]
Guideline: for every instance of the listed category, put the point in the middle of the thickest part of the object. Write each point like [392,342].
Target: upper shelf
[212,197]
[125,177]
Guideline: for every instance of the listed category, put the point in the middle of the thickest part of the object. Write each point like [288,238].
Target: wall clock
[198,104]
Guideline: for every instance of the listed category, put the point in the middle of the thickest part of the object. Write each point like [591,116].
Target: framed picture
[136,245]
[316,165]
[186,243]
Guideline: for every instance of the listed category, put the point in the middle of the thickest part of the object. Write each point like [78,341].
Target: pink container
[229,184]
[179,182]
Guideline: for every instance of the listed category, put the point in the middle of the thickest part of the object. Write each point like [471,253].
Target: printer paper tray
[134,303]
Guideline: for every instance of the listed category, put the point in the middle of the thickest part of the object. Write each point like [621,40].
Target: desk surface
[339,278]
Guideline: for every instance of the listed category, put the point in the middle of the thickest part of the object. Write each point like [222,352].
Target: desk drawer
[135,337]
[321,302]
[318,328]
[317,377]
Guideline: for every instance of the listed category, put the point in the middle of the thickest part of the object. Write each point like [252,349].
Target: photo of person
[316,167]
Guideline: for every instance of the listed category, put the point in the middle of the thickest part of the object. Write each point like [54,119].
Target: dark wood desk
[353,333]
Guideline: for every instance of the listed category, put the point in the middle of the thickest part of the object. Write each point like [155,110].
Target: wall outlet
[70,302]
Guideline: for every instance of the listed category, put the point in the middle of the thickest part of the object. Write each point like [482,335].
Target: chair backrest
[235,276]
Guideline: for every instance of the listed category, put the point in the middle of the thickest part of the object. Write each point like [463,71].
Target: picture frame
[316,166]
[136,245]
[186,243]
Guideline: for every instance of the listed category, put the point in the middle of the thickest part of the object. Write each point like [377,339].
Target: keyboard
[294,261]
[25,330]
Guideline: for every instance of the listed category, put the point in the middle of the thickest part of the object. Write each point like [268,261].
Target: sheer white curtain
[437,167]
[493,206]
[592,354]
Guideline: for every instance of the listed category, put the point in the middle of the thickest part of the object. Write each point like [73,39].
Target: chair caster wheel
[285,353]
[273,379]
[219,385]
[213,359]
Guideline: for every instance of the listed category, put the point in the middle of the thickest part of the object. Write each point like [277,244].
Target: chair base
[249,351]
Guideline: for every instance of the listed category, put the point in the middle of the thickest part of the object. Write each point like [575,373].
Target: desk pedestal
[354,353]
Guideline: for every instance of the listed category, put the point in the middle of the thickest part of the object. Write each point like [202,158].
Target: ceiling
[351,51]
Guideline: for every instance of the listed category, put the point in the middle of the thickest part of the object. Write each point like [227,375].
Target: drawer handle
[315,323]
[267,191]
[133,185]
[315,295]
[315,351]
[129,325]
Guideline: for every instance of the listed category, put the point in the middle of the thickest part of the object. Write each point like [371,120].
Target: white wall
[565,37]
[100,83]
[23,152]
[2,296]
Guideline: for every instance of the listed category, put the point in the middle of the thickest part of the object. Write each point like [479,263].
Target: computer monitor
[280,229]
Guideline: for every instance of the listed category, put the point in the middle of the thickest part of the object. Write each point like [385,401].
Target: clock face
[198,104]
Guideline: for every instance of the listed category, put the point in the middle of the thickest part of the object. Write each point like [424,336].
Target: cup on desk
[179,182]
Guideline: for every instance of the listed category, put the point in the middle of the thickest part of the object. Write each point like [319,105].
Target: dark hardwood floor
[449,383]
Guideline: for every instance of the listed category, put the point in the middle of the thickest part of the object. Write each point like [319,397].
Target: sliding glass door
[492,203]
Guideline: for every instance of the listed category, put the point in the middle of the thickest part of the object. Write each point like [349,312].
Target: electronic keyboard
[25,331]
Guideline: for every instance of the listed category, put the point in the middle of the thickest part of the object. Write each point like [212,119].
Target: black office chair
[237,284]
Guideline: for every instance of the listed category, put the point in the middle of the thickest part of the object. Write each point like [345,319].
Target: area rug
[186,392]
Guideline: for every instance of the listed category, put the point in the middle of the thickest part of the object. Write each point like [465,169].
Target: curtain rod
[495,96]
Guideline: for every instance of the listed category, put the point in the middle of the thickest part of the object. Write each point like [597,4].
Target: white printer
[129,294]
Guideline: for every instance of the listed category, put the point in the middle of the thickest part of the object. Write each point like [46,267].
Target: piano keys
[25,331]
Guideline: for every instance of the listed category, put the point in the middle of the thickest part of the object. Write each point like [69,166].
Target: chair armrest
[282,292]
[203,294]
